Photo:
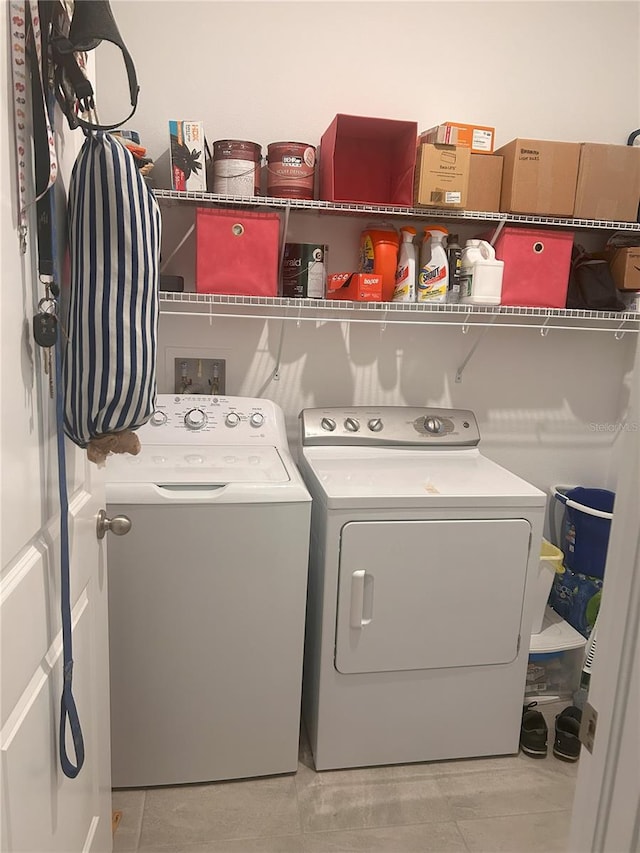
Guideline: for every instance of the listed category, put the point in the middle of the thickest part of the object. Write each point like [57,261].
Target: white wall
[268,71]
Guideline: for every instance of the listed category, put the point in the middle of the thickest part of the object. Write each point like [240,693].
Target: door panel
[42,810]
[430,594]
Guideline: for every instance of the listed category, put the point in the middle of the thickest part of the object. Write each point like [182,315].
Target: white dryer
[207,595]
[423,555]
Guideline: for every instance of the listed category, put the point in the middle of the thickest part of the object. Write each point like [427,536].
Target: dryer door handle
[356,615]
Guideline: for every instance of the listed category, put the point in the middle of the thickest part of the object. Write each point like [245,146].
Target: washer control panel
[403,426]
[214,420]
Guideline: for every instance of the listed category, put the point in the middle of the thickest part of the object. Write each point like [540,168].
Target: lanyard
[20,83]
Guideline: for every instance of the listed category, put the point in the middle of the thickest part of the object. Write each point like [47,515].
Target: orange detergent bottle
[379,255]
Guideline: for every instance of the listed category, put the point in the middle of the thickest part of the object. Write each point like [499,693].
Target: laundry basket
[587,524]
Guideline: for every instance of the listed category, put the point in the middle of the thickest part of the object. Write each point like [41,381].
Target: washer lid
[210,465]
[357,477]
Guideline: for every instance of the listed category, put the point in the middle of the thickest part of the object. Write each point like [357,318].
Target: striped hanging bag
[114,245]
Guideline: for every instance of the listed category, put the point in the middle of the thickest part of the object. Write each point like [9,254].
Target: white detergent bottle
[481,274]
[405,289]
[433,275]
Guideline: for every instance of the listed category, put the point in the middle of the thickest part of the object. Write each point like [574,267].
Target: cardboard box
[368,160]
[608,182]
[624,264]
[485,182]
[480,139]
[539,177]
[442,176]
[356,286]
[186,149]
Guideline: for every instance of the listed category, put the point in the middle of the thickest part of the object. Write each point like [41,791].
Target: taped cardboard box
[485,182]
[479,138]
[608,182]
[442,176]
[539,177]
[624,264]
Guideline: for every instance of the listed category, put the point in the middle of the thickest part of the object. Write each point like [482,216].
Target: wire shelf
[389,210]
[332,310]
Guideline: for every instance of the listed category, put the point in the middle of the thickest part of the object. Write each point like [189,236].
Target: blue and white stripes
[114,243]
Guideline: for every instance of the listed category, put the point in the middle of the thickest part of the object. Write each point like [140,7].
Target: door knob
[119,524]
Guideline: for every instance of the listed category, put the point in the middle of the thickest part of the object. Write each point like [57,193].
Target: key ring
[47,301]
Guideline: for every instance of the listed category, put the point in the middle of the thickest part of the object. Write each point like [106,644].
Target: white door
[43,810]
[606,814]
[404,585]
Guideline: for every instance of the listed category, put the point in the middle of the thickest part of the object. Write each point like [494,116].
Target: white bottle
[481,274]
[433,276]
[405,289]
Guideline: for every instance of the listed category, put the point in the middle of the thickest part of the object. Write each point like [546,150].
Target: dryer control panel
[402,426]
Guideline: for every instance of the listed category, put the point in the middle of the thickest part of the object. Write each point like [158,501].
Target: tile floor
[515,804]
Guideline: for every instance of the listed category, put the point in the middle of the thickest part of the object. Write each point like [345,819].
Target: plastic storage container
[550,562]
[556,656]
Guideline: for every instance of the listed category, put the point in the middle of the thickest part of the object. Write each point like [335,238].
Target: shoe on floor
[533,732]
[566,745]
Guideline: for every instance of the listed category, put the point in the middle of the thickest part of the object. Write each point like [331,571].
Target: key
[45,329]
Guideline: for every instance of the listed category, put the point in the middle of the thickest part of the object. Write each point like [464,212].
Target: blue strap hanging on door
[49,273]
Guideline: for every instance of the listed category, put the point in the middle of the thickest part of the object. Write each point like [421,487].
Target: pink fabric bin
[536,266]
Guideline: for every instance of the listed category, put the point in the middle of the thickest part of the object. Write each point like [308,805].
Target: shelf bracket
[274,376]
[620,331]
[544,329]
[466,361]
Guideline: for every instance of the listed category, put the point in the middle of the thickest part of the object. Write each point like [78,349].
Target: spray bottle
[433,277]
[405,290]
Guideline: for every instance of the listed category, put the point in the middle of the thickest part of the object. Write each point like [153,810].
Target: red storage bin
[368,160]
[237,252]
[536,266]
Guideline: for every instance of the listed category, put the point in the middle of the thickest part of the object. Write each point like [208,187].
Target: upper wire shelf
[389,210]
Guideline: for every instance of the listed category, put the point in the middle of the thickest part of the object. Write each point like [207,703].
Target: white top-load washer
[207,595]
[423,554]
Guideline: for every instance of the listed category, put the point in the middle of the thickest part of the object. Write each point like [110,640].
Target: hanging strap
[48,268]
[92,23]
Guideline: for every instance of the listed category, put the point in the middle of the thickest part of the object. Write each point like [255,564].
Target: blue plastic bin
[587,524]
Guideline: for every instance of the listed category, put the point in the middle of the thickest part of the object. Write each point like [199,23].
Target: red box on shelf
[537,264]
[356,286]
[237,252]
[368,161]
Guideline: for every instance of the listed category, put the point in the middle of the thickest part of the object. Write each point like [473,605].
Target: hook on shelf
[544,329]
[620,332]
[465,325]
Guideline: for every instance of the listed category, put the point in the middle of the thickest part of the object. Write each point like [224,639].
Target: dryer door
[430,594]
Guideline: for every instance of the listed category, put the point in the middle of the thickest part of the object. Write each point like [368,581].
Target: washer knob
[328,424]
[256,419]
[375,424]
[195,419]
[352,424]
[232,419]
[433,425]
[158,418]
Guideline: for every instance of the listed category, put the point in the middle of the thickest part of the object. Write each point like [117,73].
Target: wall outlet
[200,376]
